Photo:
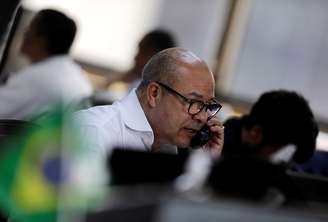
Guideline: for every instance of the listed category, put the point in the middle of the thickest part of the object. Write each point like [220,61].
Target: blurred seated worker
[174,100]
[279,127]
[53,78]
[152,43]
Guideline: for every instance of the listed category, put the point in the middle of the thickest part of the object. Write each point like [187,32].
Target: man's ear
[256,134]
[252,135]
[43,44]
[40,47]
[153,94]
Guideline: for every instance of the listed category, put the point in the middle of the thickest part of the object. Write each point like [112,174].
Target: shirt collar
[133,114]
[284,154]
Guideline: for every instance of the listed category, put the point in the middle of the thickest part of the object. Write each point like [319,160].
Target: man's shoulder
[54,63]
[97,115]
[48,67]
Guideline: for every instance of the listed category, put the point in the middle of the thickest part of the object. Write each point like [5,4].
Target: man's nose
[202,116]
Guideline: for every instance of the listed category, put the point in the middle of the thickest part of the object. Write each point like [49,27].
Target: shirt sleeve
[16,96]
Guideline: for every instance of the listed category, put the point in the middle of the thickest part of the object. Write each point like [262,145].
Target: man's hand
[215,145]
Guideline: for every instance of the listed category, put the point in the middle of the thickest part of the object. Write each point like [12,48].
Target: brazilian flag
[33,172]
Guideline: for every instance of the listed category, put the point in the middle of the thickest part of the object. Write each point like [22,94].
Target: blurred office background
[252,46]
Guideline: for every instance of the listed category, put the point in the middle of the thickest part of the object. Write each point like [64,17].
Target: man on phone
[174,100]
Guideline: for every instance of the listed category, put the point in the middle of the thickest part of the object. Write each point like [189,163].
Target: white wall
[198,24]
[108,29]
[285,46]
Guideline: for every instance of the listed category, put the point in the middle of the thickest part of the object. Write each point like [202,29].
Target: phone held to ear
[201,137]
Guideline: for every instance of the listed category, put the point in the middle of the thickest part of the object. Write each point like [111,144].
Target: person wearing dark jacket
[279,118]
[280,122]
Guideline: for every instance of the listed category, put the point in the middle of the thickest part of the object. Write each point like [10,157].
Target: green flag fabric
[35,172]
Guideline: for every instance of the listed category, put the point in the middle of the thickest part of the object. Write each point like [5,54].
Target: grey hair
[163,66]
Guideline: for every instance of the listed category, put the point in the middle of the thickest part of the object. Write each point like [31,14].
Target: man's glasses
[196,106]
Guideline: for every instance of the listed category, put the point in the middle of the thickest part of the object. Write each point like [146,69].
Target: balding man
[174,100]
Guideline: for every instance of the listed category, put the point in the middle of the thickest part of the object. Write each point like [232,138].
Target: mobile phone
[201,137]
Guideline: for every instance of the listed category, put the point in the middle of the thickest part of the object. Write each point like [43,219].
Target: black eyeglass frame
[192,101]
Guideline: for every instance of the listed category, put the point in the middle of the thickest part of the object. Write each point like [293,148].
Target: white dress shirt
[37,88]
[120,125]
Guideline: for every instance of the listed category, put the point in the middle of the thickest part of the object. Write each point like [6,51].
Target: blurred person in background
[279,118]
[152,43]
[278,133]
[53,78]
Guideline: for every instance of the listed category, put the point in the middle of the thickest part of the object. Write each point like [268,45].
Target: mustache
[196,126]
